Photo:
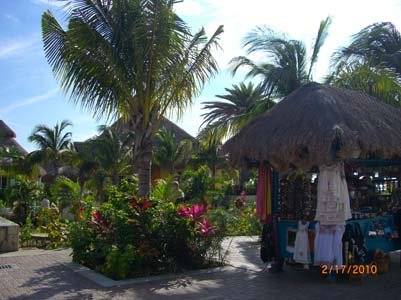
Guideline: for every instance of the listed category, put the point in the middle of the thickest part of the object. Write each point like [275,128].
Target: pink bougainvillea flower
[197,211]
[184,212]
[205,227]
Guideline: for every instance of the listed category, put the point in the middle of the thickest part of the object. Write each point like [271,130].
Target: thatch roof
[5,131]
[317,124]
[7,138]
[179,133]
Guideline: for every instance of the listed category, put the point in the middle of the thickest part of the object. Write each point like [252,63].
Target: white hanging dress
[333,204]
[301,249]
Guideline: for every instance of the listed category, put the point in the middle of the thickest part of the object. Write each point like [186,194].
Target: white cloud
[299,19]
[15,47]
[28,101]
[57,3]
[11,18]
[188,8]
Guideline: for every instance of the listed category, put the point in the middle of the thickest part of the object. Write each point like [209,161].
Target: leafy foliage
[286,68]
[378,44]
[23,194]
[170,153]
[54,145]
[128,237]
[241,104]
[130,58]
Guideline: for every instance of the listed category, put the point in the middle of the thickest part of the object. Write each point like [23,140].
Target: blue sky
[29,94]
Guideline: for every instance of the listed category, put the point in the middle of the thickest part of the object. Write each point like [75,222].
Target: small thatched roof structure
[179,133]
[7,139]
[317,124]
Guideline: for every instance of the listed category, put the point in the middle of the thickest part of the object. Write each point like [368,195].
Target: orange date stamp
[349,269]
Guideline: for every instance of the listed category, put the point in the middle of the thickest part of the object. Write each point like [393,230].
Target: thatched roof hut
[317,124]
[7,139]
[179,133]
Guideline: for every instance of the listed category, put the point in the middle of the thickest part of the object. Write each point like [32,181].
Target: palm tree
[54,146]
[287,67]
[112,150]
[371,63]
[378,44]
[209,154]
[382,83]
[130,58]
[170,152]
[241,104]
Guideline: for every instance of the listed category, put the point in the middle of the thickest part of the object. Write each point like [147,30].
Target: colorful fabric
[264,195]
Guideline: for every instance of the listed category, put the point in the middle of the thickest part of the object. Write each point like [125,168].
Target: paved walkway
[43,275]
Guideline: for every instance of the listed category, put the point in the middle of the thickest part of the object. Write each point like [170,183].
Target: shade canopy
[317,124]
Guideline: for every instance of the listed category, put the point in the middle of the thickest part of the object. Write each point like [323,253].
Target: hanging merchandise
[264,195]
[302,252]
[267,247]
[328,245]
[333,207]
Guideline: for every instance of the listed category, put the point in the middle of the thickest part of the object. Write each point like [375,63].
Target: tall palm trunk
[144,164]
[143,154]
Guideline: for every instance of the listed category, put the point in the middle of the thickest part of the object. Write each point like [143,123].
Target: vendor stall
[329,189]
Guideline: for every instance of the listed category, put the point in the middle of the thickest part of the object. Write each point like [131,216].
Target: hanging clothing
[264,195]
[301,249]
[328,245]
[333,203]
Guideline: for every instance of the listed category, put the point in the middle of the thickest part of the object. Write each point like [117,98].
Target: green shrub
[236,222]
[128,237]
[23,195]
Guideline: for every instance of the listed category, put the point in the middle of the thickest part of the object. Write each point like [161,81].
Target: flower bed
[128,238]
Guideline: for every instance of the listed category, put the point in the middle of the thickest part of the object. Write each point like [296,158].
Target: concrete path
[44,275]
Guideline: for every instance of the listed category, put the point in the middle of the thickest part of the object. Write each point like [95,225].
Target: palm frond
[319,41]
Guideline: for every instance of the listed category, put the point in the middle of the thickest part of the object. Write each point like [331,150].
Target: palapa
[315,125]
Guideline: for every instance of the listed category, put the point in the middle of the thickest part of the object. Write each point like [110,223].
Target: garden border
[104,281]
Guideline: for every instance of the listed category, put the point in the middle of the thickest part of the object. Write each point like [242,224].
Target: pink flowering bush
[135,237]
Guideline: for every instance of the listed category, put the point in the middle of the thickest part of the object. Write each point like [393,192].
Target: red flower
[81,209]
[140,205]
[98,217]
[205,227]
[146,205]
[134,203]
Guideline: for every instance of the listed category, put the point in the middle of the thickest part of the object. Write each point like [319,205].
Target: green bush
[236,222]
[23,195]
[128,237]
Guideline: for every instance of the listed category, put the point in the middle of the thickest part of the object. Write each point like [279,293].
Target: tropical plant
[287,66]
[167,190]
[241,104]
[131,58]
[112,150]
[371,63]
[378,44]
[169,152]
[381,83]
[128,237]
[23,195]
[208,154]
[54,144]
[69,194]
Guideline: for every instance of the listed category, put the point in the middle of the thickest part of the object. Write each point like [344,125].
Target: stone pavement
[43,275]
